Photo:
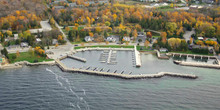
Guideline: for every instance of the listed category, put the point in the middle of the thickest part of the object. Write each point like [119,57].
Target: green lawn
[25,56]
[143,48]
[107,46]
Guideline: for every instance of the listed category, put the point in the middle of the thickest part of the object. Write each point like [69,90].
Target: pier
[137,57]
[76,58]
[123,76]
[193,55]
[195,64]
[161,57]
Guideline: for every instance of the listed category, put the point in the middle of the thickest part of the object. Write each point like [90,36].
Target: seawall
[124,76]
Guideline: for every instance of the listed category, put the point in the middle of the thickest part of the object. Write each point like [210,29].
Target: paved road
[188,34]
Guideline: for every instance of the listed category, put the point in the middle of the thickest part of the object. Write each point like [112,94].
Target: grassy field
[106,46]
[25,56]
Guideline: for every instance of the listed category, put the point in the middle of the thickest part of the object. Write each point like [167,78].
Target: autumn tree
[135,34]
[17,54]
[146,44]
[164,37]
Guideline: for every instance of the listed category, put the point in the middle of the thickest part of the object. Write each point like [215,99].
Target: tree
[9,33]
[126,43]
[164,37]
[17,54]
[191,40]
[90,34]
[149,34]
[67,29]
[174,43]
[135,34]
[56,45]
[107,23]
[171,27]
[146,44]
[4,52]
[52,21]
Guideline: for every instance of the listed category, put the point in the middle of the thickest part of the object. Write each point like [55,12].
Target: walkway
[137,57]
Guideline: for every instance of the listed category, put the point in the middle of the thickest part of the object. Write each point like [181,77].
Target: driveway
[188,34]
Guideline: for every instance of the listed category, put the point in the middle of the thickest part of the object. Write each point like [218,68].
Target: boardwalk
[124,76]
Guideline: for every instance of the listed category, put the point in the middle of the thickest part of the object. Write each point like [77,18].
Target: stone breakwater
[124,76]
[194,64]
[22,63]
[161,57]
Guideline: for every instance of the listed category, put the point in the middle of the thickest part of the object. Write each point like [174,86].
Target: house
[112,38]
[126,38]
[88,39]
[38,40]
[72,5]
[102,2]
[59,7]
[163,50]
[15,36]
[200,38]
[24,44]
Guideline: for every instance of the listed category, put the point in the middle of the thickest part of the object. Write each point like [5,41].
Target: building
[163,50]
[200,38]
[15,36]
[38,40]
[126,38]
[112,38]
[24,44]
[72,5]
[88,39]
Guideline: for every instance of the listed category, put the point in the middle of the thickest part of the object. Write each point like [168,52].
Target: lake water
[48,88]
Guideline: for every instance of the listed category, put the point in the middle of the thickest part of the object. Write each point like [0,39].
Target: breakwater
[22,63]
[123,76]
[161,57]
[195,64]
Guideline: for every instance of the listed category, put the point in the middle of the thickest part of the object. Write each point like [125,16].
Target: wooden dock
[123,76]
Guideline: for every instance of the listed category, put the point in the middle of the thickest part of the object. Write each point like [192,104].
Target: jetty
[137,57]
[161,57]
[123,76]
[195,64]
[76,58]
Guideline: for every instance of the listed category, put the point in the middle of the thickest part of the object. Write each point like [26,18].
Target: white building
[88,39]
[111,39]
[126,38]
